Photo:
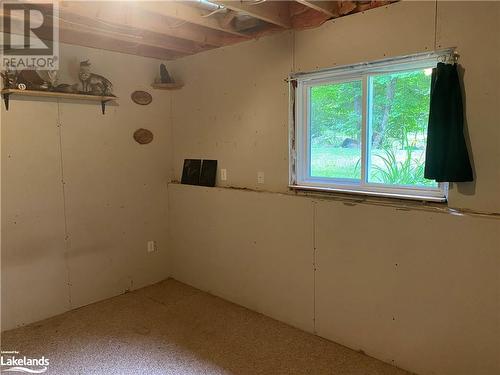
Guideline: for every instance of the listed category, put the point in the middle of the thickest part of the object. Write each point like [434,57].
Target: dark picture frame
[208,173]
[199,172]
[191,172]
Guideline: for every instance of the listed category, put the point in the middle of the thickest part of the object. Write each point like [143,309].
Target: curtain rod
[449,55]
[451,58]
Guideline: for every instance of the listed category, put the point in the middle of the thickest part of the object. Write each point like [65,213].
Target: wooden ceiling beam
[132,36]
[190,14]
[118,45]
[90,36]
[274,12]
[330,8]
[131,15]
[347,7]
[361,6]
[228,18]
[307,13]
[87,39]
[309,18]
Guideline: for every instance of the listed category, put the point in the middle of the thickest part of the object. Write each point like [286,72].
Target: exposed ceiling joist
[142,37]
[330,8]
[274,12]
[129,15]
[228,18]
[118,45]
[347,7]
[77,30]
[189,14]
[70,34]
[361,6]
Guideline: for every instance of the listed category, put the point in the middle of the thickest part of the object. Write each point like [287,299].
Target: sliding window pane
[335,130]
[399,112]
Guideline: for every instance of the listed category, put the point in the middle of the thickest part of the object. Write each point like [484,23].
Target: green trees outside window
[397,112]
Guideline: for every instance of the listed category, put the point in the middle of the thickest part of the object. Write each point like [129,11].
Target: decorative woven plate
[143,136]
[141,97]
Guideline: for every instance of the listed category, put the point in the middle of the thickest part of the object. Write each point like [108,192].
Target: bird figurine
[164,76]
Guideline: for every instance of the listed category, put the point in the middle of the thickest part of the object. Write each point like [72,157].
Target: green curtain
[447,159]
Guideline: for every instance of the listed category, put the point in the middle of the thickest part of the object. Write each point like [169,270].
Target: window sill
[400,196]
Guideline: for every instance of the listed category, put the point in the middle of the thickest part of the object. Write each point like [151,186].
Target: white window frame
[300,177]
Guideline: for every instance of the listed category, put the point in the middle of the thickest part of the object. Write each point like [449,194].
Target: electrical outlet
[152,246]
[260,177]
[223,174]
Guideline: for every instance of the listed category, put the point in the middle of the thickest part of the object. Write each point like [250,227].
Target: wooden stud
[274,12]
[330,8]
[346,7]
[228,18]
[180,11]
[309,19]
[143,38]
[130,16]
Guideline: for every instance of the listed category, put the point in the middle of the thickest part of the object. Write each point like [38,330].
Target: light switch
[223,174]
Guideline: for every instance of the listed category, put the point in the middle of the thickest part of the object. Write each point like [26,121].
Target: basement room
[250,187]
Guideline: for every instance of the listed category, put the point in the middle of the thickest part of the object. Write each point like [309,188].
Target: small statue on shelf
[92,83]
[32,80]
[9,78]
[49,77]
[164,76]
[67,88]
[40,80]
[47,80]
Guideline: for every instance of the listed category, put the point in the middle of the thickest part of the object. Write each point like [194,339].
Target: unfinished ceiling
[172,29]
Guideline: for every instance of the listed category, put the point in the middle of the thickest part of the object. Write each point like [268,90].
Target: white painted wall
[417,289]
[62,249]
[414,288]
[250,248]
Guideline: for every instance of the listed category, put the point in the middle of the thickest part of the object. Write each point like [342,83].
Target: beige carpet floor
[171,328]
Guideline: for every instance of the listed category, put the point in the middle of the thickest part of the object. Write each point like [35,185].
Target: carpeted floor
[171,328]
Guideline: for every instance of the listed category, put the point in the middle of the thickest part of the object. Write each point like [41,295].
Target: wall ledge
[354,199]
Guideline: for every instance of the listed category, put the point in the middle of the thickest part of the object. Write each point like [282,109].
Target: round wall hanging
[141,97]
[143,136]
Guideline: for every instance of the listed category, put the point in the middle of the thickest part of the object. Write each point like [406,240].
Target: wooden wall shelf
[167,86]
[6,93]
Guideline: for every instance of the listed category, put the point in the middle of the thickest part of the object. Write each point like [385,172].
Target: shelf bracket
[6,101]
[103,106]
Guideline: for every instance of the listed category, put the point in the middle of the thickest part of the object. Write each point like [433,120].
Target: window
[363,129]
